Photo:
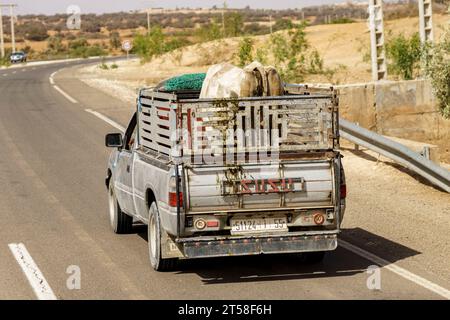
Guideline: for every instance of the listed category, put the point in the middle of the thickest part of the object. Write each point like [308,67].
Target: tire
[314,257]
[154,242]
[121,223]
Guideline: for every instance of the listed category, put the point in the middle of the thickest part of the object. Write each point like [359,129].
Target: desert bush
[283,24]
[256,29]
[437,66]
[78,43]
[34,31]
[155,44]
[81,48]
[289,53]
[103,66]
[5,61]
[404,56]
[315,63]
[90,26]
[55,45]
[342,21]
[245,51]
[114,40]
[209,32]
[262,55]
[234,24]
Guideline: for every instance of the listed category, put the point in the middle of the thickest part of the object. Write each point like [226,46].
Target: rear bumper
[197,248]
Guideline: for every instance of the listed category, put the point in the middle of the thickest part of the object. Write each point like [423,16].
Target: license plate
[258,225]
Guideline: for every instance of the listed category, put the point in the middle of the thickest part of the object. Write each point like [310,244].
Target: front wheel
[121,223]
[154,242]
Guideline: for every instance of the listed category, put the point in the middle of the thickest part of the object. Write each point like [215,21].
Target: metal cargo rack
[179,125]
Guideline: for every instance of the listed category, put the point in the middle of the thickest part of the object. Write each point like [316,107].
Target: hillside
[341,46]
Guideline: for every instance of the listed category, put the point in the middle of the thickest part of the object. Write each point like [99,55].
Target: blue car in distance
[18,57]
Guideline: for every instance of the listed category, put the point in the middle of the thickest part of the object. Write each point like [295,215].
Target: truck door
[124,189]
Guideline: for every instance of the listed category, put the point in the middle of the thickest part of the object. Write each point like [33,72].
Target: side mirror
[114,140]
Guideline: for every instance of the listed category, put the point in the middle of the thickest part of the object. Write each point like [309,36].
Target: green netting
[192,81]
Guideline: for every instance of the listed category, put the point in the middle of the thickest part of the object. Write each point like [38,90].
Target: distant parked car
[19,56]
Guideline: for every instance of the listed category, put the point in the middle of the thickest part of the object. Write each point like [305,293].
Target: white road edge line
[396,269]
[106,119]
[65,94]
[34,276]
[52,82]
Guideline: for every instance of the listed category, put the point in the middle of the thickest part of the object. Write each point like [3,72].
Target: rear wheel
[121,223]
[154,242]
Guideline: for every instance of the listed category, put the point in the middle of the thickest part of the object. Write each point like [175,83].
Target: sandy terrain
[343,44]
[339,45]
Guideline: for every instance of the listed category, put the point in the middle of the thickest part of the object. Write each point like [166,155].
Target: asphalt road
[53,200]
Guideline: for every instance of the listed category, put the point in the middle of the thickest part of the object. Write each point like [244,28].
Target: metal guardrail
[396,151]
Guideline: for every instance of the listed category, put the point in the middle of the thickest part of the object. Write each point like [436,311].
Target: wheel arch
[108,177]
[150,197]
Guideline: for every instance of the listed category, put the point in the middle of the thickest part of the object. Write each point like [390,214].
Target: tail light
[343,191]
[173,199]
[173,193]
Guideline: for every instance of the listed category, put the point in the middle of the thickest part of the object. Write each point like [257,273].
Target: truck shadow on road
[340,263]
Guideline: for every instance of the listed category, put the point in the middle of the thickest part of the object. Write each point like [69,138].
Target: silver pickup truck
[229,177]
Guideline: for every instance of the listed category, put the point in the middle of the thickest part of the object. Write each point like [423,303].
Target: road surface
[53,201]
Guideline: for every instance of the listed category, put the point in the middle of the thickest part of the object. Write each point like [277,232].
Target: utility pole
[270,24]
[149,26]
[223,17]
[376,25]
[2,41]
[13,38]
[426,21]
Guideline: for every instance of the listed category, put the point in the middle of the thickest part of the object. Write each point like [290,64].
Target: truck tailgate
[285,185]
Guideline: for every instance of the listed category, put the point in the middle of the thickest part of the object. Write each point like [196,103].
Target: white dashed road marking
[106,119]
[68,97]
[34,276]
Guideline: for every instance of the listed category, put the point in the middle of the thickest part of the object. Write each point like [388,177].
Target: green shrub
[283,24]
[209,32]
[342,21]
[245,51]
[262,55]
[55,45]
[315,63]
[404,56]
[234,24]
[289,53]
[114,40]
[33,31]
[155,44]
[437,66]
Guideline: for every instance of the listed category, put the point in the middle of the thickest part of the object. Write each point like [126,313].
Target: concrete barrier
[402,109]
